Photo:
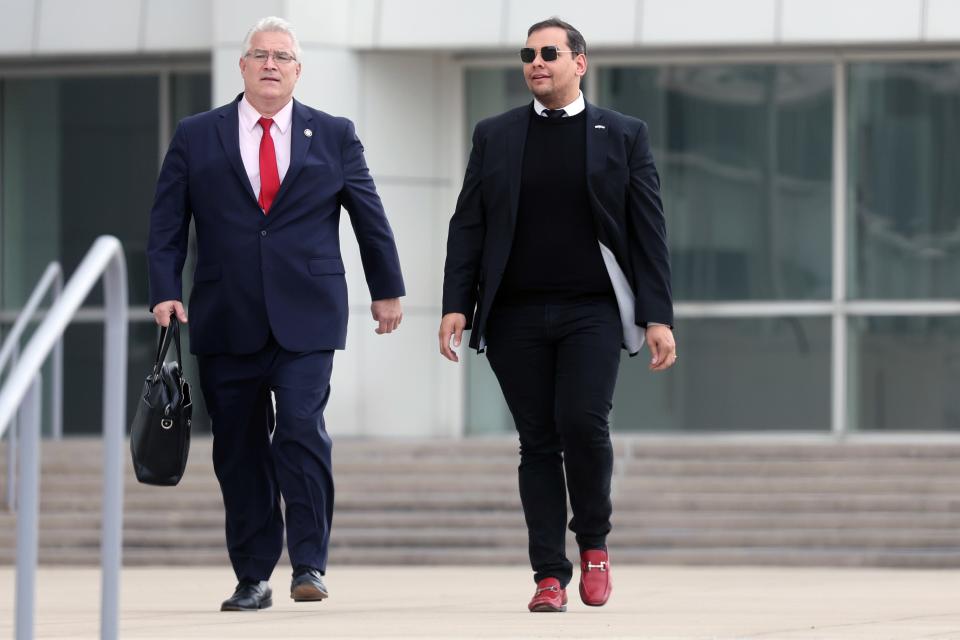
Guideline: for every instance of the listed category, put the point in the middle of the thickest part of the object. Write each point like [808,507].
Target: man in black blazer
[556,258]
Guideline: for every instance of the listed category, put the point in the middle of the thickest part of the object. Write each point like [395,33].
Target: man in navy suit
[264,179]
[557,256]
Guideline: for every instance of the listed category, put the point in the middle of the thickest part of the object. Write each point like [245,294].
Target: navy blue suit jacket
[281,272]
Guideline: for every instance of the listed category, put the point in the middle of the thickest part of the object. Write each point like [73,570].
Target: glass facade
[904,197]
[746,158]
[752,374]
[73,168]
[744,154]
[905,370]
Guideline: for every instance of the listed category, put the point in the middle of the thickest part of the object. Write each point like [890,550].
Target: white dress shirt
[570,110]
[251,133]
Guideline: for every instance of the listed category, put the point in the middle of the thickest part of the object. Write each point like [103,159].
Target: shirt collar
[249,116]
[571,109]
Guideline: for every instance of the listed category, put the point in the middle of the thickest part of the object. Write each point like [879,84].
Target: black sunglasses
[548,53]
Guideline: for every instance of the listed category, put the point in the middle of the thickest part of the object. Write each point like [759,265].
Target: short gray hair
[272,23]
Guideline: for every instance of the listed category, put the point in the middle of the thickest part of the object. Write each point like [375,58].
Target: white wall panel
[410,208]
[17,26]
[363,25]
[610,22]
[344,412]
[171,25]
[433,23]
[697,22]
[227,82]
[329,81]
[400,110]
[850,20]
[233,18]
[943,20]
[320,21]
[400,376]
[91,26]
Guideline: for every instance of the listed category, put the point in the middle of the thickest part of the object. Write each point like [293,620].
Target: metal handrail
[22,390]
[10,352]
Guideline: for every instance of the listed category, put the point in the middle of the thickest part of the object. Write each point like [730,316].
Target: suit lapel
[299,144]
[516,139]
[597,142]
[596,145]
[228,127]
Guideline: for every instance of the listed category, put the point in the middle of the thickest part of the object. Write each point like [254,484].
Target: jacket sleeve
[169,223]
[378,249]
[465,238]
[647,236]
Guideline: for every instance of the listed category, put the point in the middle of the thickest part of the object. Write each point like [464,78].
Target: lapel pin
[308,133]
[599,126]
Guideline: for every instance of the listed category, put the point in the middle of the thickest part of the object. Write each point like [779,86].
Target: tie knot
[554,113]
[265,124]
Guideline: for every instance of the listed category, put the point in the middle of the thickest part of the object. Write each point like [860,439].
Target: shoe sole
[548,608]
[308,593]
[264,604]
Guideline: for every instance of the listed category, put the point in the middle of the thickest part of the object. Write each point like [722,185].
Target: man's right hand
[163,310]
[451,326]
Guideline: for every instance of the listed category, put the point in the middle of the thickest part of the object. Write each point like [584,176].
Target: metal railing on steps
[50,281]
[22,392]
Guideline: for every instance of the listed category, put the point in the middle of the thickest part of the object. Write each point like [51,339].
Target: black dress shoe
[307,586]
[249,596]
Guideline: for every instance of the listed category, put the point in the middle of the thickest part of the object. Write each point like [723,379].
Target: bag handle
[163,345]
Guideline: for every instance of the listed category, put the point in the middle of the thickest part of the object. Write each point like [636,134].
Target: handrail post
[56,390]
[105,260]
[28,507]
[12,448]
[114,430]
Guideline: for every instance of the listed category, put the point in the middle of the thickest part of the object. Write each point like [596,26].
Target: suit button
[263,233]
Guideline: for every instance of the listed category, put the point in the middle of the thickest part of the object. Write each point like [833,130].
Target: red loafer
[595,582]
[550,596]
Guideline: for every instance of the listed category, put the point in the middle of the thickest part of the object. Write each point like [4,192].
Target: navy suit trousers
[260,455]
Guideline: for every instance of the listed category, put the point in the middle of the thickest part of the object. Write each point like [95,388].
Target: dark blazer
[624,192]
[281,272]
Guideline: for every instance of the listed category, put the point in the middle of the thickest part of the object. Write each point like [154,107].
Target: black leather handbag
[160,433]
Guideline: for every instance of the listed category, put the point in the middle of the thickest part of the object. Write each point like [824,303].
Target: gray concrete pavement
[451,602]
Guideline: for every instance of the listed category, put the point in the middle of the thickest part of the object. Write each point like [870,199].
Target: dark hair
[574,38]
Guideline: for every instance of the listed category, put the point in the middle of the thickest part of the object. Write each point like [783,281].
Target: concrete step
[186,520]
[430,537]
[343,556]
[417,483]
[349,501]
[436,502]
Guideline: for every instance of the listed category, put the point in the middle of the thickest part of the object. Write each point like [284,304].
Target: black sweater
[555,256]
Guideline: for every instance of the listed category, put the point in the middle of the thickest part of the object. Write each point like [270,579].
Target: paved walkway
[648,602]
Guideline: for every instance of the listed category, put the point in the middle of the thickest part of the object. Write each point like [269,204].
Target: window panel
[904,196]
[744,154]
[73,169]
[903,373]
[757,374]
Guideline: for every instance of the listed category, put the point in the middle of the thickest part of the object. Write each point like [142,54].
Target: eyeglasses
[548,53]
[280,57]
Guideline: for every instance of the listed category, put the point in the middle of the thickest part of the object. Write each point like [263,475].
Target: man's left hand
[662,347]
[388,313]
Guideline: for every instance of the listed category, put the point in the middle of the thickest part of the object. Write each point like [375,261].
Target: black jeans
[557,366]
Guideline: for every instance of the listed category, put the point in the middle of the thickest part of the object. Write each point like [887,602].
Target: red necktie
[269,175]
